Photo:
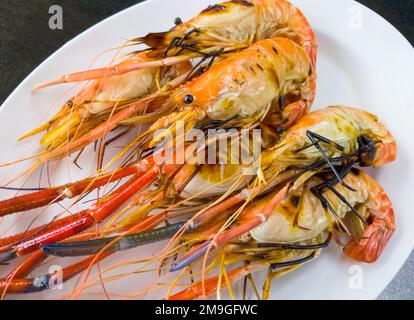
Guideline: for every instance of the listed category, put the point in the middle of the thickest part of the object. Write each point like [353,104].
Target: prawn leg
[96,133]
[51,195]
[44,282]
[253,220]
[210,285]
[101,73]
[97,214]
[28,265]
[84,248]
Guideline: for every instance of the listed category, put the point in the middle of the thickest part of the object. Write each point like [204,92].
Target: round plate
[363,61]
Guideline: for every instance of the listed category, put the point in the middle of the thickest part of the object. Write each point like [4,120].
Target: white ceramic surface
[363,61]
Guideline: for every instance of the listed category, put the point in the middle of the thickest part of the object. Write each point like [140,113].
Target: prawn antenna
[297,246]
[178,42]
[316,139]
[317,166]
[21,189]
[199,65]
[343,199]
[183,45]
[7,256]
[330,184]
[293,262]
[213,124]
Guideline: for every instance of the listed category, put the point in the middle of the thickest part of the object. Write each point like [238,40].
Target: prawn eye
[280,129]
[178,21]
[69,104]
[188,99]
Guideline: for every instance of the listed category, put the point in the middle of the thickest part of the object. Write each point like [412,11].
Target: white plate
[363,62]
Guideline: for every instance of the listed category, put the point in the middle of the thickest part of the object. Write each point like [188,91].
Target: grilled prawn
[225,27]
[318,140]
[291,236]
[104,104]
[270,82]
[123,90]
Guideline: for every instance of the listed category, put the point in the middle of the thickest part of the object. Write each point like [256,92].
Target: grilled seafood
[238,65]
[223,27]
[348,135]
[125,90]
[298,219]
[290,237]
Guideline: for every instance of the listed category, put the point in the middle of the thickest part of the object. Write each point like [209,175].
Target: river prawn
[65,229]
[235,95]
[349,136]
[245,99]
[228,26]
[292,235]
[160,183]
[103,105]
[257,68]
[270,82]
[359,137]
[320,139]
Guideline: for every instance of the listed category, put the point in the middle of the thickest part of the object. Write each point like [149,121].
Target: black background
[26,40]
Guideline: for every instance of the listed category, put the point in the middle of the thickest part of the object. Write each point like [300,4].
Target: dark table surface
[26,40]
